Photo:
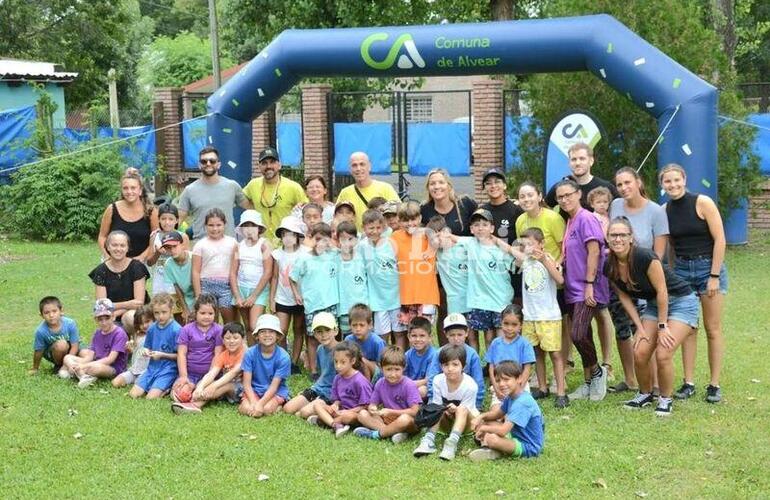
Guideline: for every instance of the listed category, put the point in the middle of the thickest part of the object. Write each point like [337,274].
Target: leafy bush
[62,198]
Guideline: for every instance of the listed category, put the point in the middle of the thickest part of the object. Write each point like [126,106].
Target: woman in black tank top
[133,215]
[698,241]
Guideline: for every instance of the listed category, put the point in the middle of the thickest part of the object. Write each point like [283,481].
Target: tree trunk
[502,10]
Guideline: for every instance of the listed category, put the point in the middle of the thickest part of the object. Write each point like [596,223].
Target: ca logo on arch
[409,60]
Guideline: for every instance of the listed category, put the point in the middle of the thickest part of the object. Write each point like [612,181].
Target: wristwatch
[662,326]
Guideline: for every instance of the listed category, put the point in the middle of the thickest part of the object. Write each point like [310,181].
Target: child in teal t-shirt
[178,273]
[452,264]
[382,270]
[352,282]
[316,273]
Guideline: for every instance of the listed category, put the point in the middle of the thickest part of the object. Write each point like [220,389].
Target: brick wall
[262,136]
[171,137]
[487,130]
[759,209]
[315,129]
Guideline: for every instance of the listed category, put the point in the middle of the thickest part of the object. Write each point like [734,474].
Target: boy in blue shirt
[511,346]
[456,331]
[55,337]
[522,432]
[352,281]
[421,354]
[160,345]
[371,345]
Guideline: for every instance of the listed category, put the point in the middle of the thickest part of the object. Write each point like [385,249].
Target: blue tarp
[445,145]
[372,138]
[193,140]
[16,126]
[512,139]
[761,146]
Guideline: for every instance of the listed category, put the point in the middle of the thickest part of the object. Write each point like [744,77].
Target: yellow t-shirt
[551,224]
[274,201]
[373,190]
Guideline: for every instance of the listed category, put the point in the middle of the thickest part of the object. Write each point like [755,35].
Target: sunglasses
[208,161]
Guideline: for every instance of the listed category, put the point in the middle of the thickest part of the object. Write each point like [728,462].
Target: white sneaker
[598,387]
[64,373]
[426,447]
[582,392]
[341,431]
[399,437]
[313,420]
[449,451]
[482,454]
[86,381]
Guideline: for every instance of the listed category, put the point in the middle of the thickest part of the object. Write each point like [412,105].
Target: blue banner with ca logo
[573,127]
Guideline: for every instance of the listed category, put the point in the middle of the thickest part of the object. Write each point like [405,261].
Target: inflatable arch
[599,44]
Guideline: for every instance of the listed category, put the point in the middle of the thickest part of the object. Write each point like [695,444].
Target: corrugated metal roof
[15,69]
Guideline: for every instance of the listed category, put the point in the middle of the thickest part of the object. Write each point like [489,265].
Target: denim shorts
[696,272]
[219,289]
[684,309]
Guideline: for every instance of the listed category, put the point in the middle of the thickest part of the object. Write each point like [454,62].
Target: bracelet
[589,282]
[712,275]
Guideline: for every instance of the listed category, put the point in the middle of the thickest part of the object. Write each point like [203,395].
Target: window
[419,109]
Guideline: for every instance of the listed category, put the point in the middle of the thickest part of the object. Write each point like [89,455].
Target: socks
[430,436]
[453,438]
[597,372]
[664,401]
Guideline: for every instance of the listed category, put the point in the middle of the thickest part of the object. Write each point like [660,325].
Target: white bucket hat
[290,223]
[252,216]
[268,322]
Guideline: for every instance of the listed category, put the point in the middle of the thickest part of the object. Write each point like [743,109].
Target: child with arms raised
[56,336]
[458,391]
[421,354]
[351,392]
[228,362]
[371,345]
[106,356]
[399,398]
[265,366]
[142,322]
[521,433]
[251,269]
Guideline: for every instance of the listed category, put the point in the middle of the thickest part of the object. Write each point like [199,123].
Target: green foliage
[175,16]
[752,55]
[62,198]
[42,137]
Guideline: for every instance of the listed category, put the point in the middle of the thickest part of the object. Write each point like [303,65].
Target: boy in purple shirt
[107,354]
[399,398]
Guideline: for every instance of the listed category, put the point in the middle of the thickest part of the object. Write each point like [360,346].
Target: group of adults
[653,305]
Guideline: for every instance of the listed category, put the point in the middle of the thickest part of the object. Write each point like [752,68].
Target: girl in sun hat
[251,268]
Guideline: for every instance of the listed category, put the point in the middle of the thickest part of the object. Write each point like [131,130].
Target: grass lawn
[139,449]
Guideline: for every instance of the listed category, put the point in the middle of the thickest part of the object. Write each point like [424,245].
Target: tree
[173,17]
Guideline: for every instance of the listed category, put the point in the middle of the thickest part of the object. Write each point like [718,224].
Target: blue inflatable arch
[599,44]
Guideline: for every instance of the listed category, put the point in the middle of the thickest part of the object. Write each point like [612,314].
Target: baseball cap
[290,223]
[324,319]
[252,216]
[389,207]
[345,204]
[103,307]
[268,153]
[171,239]
[493,172]
[268,322]
[455,319]
[483,213]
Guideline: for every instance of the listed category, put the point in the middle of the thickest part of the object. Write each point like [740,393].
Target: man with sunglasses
[273,195]
[210,191]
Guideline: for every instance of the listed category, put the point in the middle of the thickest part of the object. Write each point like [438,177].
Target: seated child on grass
[521,433]
[421,354]
[371,345]
[160,347]
[457,390]
[142,321]
[351,392]
[55,337]
[266,366]
[399,398]
[106,356]
[227,363]
[324,329]
[511,346]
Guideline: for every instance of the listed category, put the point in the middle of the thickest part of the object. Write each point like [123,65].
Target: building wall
[24,95]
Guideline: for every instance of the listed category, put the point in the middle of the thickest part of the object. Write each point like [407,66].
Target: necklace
[275,194]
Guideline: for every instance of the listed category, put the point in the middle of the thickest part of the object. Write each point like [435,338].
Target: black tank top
[138,231]
[689,234]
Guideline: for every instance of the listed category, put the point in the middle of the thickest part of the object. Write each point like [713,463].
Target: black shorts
[290,310]
[560,300]
[311,395]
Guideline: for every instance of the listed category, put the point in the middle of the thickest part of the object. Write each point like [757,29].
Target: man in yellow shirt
[273,195]
[365,188]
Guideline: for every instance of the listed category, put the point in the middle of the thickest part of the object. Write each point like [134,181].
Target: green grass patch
[139,449]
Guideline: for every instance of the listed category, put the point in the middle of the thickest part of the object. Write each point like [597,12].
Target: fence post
[488,131]
[263,135]
[315,129]
[169,141]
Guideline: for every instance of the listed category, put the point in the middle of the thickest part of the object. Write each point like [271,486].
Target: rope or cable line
[749,124]
[660,136]
[109,143]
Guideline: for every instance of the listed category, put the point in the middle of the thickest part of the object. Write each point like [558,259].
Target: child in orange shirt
[416,269]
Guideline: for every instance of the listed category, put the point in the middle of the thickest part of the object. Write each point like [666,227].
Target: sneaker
[713,394]
[639,401]
[622,387]
[426,447]
[449,451]
[363,432]
[313,420]
[582,392]
[64,373]
[399,437]
[295,370]
[685,392]
[182,408]
[482,454]
[538,394]
[598,386]
[561,402]
[664,408]
[341,430]
[86,381]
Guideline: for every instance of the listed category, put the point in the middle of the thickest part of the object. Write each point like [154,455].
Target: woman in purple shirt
[585,287]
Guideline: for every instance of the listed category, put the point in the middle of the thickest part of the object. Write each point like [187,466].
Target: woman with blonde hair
[442,200]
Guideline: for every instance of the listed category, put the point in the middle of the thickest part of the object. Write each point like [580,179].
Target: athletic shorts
[290,310]
[281,400]
[261,299]
[152,379]
[309,316]
[624,327]
[343,323]
[238,393]
[696,272]
[387,321]
[481,320]
[47,354]
[545,334]
[219,289]
[410,311]
[312,395]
